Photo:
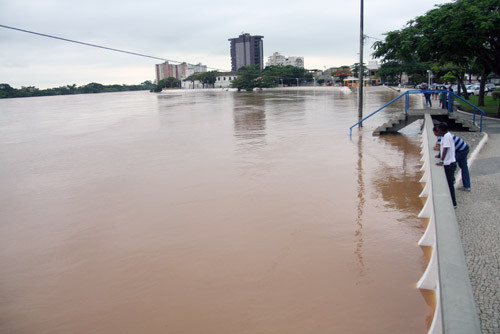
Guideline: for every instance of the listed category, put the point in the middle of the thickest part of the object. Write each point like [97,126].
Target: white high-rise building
[192,69]
[278,59]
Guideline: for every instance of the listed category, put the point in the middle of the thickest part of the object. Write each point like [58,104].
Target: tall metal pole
[360,82]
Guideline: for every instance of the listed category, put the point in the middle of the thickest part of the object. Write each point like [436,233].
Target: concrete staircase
[455,122]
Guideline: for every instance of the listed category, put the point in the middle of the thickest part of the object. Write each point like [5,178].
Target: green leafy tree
[6,91]
[274,75]
[355,70]
[449,77]
[391,71]
[208,78]
[170,82]
[287,75]
[463,32]
[192,78]
[465,28]
[249,77]
[92,87]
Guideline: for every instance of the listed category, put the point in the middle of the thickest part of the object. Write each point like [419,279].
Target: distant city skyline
[325,33]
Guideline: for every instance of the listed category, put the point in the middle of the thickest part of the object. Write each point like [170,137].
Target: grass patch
[490,105]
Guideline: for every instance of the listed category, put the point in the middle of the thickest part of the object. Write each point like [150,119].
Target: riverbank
[477,218]
[6,91]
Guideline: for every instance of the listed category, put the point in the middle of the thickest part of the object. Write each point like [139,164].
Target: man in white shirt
[447,156]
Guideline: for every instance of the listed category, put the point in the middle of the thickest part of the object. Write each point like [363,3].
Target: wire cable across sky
[97,46]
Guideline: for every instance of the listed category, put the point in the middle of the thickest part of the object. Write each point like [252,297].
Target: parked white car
[476,91]
[489,87]
[471,89]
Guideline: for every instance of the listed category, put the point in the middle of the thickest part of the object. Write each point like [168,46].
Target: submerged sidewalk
[478,217]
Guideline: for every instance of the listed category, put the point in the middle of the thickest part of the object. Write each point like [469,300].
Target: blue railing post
[474,116]
[407,102]
[450,102]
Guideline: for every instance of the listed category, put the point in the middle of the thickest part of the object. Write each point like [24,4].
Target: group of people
[453,150]
[443,100]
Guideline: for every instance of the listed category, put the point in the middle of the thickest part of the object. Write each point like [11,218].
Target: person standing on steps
[447,157]
[427,97]
[442,98]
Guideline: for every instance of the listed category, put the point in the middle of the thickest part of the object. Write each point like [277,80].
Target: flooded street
[208,212]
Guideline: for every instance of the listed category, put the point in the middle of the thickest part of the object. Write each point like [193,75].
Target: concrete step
[464,123]
[395,124]
[455,122]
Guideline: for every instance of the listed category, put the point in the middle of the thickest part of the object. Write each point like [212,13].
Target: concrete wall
[446,272]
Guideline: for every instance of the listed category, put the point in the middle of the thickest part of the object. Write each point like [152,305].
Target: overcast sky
[324,32]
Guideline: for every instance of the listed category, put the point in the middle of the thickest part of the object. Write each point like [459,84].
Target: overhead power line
[366,36]
[97,46]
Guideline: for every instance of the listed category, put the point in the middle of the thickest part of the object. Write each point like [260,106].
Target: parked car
[471,89]
[437,86]
[489,87]
[476,91]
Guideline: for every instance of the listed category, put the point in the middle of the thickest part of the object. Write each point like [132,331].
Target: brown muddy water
[208,212]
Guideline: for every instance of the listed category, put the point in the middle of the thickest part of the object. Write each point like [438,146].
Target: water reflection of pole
[361,203]
[360,82]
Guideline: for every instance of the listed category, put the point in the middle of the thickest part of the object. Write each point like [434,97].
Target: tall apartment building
[180,71]
[277,59]
[247,50]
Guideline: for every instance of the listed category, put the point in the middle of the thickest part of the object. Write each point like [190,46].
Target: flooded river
[208,212]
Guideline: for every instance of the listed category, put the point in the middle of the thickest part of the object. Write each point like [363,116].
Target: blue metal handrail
[430,91]
[483,113]
[376,111]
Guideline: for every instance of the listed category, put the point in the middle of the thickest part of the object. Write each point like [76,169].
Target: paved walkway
[478,217]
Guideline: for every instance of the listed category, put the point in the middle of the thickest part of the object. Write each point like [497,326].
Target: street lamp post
[429,72]
[297,81]
[360,82]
